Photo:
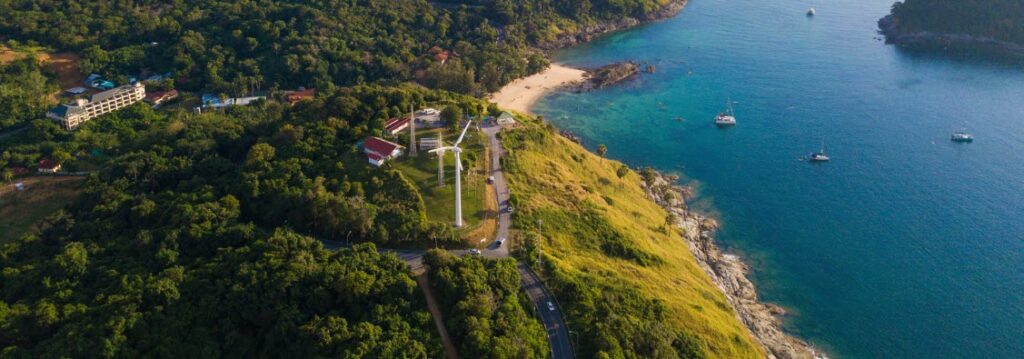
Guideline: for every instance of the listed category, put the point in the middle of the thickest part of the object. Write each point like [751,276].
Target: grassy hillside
[21,211]
[627,282]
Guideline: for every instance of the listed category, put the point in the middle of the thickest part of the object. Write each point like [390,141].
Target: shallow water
[905,245]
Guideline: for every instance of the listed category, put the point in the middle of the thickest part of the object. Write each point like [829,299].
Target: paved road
[501,188]
[558,333]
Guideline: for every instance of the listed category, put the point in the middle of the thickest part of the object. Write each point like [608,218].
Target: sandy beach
[522,93]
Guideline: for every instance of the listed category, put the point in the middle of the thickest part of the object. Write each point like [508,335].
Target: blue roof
[209,99]
[60,110]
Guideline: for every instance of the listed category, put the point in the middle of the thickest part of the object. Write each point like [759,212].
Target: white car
[551,307]
[474,252]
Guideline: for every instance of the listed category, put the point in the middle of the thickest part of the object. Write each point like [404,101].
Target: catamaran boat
[962,136]
[726,118]
[820,156]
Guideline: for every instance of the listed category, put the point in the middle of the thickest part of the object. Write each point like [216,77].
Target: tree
[602,150]
[452,116]
[8,175]
[622,172]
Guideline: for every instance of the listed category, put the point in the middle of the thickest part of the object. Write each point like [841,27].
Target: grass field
[477,212]
[601,231]
[64,64]
[20,211]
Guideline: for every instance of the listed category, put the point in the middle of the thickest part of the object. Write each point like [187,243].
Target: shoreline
[729,273]
[520,95]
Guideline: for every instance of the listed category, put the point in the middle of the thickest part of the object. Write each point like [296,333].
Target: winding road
[546,306]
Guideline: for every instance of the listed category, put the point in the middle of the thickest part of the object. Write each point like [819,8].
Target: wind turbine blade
[457,142]
[441,149]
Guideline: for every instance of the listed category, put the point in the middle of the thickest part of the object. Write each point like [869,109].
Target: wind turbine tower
[458,172]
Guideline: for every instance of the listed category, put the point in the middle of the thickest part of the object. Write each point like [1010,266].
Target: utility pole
[540,250]
[440,159]
[412,132]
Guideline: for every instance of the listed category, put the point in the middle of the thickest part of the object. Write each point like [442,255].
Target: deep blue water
[905,245]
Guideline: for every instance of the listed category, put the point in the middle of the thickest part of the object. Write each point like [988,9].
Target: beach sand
[521,94]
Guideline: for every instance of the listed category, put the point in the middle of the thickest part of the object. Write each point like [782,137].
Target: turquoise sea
[905,245]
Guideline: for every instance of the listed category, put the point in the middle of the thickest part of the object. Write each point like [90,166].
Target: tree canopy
[998,19]
[239,46]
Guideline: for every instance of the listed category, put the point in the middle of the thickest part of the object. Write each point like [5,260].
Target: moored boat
[726,118]
[961,136]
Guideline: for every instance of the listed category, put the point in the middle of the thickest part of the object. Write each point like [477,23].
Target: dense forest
[24,90]
[237,47]
[998,19]
[485,310]
[196,217]
[296,166]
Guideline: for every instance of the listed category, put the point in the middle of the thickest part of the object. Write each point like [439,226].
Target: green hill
[628,283]
[997,19]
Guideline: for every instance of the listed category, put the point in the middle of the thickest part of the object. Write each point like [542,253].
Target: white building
[429,116]
[73,115]
[506,119]
[429,143]
[378,150]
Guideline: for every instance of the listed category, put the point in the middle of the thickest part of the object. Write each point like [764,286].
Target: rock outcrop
[607,76]
[728,272]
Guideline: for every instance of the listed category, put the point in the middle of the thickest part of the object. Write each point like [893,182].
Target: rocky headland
[728,272]
[927,40]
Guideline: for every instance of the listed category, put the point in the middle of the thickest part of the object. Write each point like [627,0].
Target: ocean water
[905,245]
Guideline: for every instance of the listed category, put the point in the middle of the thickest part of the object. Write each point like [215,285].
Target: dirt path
[435,312]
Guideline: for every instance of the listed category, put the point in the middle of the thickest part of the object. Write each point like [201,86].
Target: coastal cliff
[589,32]
[728,272]
[928,40]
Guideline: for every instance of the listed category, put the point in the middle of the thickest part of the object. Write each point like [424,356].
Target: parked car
[490,179]
[474,252]
[501,241]
[551,307]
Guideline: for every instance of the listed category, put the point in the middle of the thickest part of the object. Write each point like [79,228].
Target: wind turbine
[458,172]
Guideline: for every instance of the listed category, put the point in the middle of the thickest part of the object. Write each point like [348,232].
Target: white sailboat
[820,156]
[726,118]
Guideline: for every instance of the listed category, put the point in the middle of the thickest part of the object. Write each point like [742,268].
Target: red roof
[379,146]
[442,56]
[374,156]
[396,124]
[47,165]
[160,95]
[296,96]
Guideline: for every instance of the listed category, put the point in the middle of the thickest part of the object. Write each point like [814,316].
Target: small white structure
[429,116]
[378,150]
[20,186]
[237,101]
[429,143]
[506,119]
